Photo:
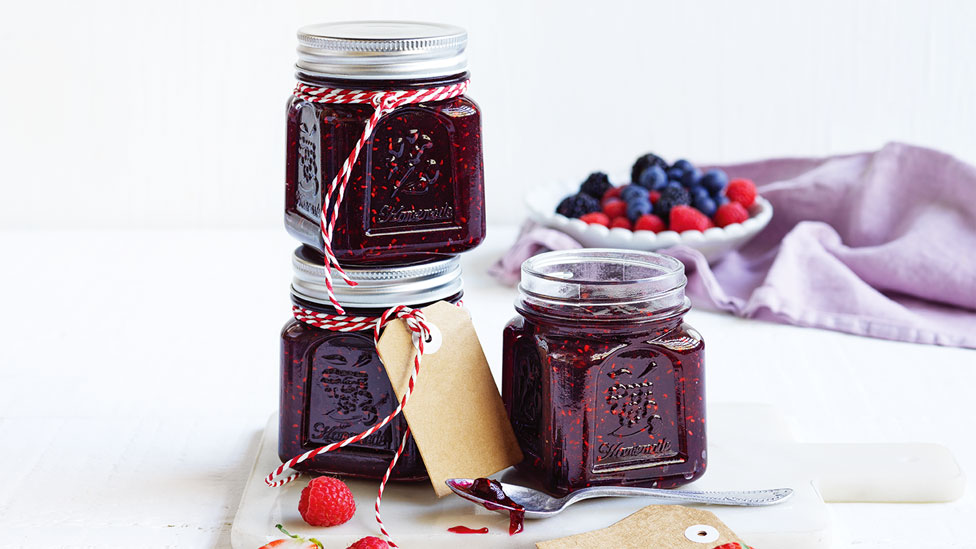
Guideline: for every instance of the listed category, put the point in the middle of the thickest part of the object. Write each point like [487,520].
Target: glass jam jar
[333,385]
[602,378]
[416,192]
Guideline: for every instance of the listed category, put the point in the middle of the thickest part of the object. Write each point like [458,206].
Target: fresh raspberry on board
[730,213]
[733,545]
[292,542]
[370,542]
[686,218]
[654,196]
[614,207]
[326,501]
[598,218]
[620,223]
[742,191]
[649,222]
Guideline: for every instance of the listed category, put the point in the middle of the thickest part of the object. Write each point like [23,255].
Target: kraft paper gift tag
[657,527]
[455,413]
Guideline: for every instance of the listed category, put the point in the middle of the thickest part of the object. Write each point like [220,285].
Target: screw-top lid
[368,50]
[377,288]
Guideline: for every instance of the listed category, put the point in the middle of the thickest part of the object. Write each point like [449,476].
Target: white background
[171,114]
[136,367]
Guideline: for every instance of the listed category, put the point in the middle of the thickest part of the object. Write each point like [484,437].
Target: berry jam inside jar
[333,384]
[416,191]
[602,378]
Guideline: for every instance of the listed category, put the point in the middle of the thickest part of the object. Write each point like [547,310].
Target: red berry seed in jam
[606,388]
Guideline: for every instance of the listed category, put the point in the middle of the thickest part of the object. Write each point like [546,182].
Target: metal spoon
[541,505]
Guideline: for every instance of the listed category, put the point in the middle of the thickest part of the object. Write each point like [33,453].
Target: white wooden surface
[749,446]
[171,114]
[137,369]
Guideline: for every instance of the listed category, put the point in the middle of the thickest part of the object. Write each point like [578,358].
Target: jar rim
[603,284]
[668,266]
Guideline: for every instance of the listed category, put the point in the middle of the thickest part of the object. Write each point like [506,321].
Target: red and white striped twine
[384,102]
[417,324]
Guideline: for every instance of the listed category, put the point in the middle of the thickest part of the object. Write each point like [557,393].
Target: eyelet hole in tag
[701,533]
[433,341]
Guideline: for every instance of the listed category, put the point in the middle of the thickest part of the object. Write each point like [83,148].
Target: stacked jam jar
[384,186]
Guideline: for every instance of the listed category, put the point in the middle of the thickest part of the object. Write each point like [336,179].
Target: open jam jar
[416,191]
[602,378]
[333,385]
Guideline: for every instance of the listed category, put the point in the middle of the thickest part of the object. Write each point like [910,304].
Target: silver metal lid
[377,287]
[368,50]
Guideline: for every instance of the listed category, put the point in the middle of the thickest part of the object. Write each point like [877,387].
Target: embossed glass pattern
[602,378]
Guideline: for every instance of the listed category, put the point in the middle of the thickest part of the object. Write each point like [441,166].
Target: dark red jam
[417,190]
[333,384]
[467,530]
[601,377]
[495,498]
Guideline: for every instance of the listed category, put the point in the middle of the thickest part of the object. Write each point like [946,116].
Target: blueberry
[697,191]
[691,177]
[634,192]
[672,195]
[704,204]
[638,208]
[644,162]
[579,204]
[676,174]
[596,185]
[653,178]
[721,199]
[714,181]
[683,165]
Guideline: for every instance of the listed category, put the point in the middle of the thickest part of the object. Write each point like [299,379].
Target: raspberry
[649,222]
[620,222]
[612,192]
[598,218]
[686,218]
[370,542]
[326,501]
[614,207]
[729,213]
[742,191]
[596,184]
[576,205]
[654,196]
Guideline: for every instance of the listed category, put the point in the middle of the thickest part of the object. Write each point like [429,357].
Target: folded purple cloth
[880,244]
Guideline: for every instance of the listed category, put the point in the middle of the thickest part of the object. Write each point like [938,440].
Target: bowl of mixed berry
[663,205]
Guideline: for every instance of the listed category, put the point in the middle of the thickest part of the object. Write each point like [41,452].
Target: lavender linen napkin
[880,244]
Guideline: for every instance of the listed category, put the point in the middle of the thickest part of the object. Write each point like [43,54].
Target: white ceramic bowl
[713,243]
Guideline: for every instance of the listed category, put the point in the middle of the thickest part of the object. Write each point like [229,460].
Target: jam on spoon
[495,498]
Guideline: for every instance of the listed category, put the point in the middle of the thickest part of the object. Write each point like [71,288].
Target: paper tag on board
[455,413]
[657,526]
